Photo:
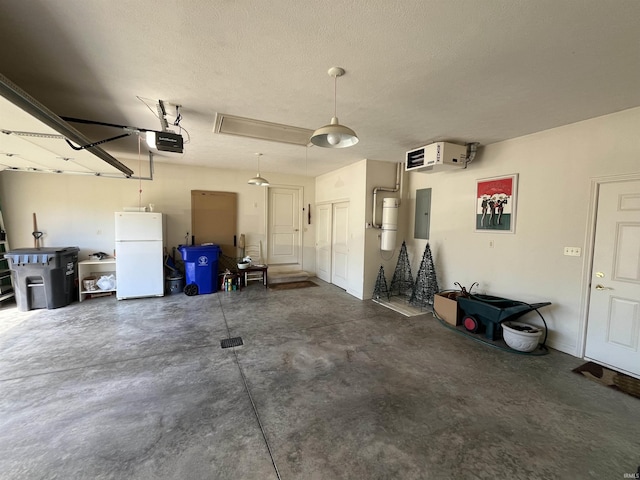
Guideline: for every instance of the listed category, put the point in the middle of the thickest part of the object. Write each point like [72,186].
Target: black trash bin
[43,277]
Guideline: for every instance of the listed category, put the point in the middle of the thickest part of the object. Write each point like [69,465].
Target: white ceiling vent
[251,128]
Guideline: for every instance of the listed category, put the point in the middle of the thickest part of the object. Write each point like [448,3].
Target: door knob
[602,287]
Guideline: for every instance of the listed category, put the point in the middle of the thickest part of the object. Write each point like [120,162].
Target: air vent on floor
[231,342]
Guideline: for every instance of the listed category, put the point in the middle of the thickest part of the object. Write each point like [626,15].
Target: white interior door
[323,242]
[284,226]
[613,328]
[340,245]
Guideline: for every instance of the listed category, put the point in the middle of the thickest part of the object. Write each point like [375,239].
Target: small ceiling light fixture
[150,137]
[334,135]
[258,180]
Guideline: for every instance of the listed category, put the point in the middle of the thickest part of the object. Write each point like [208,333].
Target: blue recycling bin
[201,267]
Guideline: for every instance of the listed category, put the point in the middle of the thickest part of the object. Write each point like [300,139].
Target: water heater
[389,223]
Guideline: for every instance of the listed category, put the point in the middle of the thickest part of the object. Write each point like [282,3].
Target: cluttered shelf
[89,272]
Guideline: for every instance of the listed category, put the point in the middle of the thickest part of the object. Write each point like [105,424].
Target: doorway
[284,220]
[214,217]
[323,242]
[340,245]
[332,243]
[613,319]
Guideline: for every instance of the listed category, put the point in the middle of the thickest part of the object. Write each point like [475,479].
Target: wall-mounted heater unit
[436,156]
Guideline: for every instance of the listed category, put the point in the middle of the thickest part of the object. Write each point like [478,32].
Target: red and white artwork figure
[495,203]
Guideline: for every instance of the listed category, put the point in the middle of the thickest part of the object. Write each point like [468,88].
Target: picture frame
[496,200]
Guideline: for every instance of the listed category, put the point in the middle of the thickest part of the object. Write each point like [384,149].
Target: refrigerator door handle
[235,241]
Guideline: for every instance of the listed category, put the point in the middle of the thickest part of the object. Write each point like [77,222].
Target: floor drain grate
[231,342]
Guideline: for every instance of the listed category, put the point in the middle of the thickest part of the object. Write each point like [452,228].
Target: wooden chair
[258,269]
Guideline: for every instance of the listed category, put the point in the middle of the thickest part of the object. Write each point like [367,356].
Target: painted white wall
[381,174]
[555,169]
[355,184]
[348,184]
[79,210]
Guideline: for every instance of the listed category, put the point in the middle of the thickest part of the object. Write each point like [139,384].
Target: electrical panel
[436,156]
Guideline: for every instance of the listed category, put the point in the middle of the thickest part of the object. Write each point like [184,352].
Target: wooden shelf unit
[94,268]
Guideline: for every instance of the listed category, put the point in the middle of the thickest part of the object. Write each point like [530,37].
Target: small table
[254,269]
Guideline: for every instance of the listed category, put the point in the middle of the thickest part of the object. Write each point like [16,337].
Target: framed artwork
[496,200]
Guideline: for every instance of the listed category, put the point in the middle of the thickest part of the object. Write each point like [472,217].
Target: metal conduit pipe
[472,148]
[150,177]
[384,189]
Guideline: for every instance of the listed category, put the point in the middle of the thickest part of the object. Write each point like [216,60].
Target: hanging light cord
[139,173]
[335,96]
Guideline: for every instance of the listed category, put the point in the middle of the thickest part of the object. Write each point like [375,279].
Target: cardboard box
[446,307]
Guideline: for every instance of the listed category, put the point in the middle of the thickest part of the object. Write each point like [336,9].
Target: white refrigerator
[139,255]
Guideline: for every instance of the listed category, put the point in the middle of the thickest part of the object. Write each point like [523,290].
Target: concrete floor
[325,387]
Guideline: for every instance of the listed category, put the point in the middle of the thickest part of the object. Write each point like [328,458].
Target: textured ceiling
[417,71]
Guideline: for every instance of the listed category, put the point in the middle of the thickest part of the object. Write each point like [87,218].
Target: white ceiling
[417,71]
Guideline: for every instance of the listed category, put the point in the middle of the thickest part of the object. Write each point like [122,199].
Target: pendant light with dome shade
[334,135]
[258,180]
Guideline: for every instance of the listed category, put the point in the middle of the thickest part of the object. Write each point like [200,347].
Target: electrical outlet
[490,243]
[573,251]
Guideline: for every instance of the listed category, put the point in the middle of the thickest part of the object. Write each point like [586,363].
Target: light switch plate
[573,251]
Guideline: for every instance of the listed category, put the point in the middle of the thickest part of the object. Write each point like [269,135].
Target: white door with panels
[284,226]
[613,329]
[340,245]
[323,242]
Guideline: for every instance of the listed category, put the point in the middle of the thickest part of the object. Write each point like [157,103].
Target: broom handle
[35,229]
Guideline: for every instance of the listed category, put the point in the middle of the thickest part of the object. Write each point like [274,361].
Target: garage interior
[325,386]
[540,97]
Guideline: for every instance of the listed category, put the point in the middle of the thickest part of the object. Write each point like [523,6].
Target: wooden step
[288,277]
